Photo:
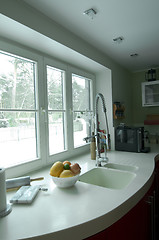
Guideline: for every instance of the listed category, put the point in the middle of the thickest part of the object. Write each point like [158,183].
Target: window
[18,110]
[37,124]
[82,108]
[56,109]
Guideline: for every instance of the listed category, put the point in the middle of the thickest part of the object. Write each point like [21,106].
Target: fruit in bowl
[56,169]
[65,174]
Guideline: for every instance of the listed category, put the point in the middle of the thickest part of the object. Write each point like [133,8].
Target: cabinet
[150,93]
[157,194]
[138,223]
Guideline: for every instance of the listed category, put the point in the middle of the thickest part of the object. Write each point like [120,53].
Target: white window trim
[76,111]
[56,64]
[42,61]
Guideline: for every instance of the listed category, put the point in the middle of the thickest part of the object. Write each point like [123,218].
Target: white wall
[117,88]
[24,14]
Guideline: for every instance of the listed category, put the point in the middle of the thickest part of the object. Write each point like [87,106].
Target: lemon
[66,173]
[56,169]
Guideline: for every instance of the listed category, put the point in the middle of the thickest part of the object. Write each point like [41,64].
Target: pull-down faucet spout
[99,134]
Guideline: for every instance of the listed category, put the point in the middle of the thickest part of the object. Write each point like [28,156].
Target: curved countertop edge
[91,227]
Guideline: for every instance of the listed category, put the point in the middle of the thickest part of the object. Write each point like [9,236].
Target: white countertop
[82,210]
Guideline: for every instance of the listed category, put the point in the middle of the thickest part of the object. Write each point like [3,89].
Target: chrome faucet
[99,134]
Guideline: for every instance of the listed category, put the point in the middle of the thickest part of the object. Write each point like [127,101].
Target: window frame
[31,110]
[90,103]
[21,52]
[57,65]
[42,114]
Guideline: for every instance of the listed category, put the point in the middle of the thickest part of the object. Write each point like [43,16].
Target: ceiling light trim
[134,55]
[90,13]
[118,39]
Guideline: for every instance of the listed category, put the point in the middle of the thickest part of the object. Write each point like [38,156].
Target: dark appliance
[130,139]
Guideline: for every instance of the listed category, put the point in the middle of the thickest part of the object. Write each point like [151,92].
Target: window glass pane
[16,83]
[79,129]
[80,92]
[56,111]
[18,138]
[56,132]
[55,88]
[82,114]
[152,93]
[18,141]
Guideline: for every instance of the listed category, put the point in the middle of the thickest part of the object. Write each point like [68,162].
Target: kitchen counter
[82,210]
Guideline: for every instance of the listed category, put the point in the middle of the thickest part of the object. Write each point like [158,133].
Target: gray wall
[122,92]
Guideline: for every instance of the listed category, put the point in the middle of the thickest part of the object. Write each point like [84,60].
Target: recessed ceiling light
[134,55]
[118,39]
[90,13]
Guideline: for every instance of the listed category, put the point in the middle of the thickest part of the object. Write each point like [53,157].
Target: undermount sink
[107,178]
[120,167]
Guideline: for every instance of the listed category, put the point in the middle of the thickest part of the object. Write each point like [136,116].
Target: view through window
[82,109]
[56,109]
[18,141]
[38,121]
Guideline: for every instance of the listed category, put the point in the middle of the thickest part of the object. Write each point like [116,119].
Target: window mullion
[41,114]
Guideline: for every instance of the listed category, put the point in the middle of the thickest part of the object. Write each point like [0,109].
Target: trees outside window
[56,109]
[18,111]
[45,111]
[82,108]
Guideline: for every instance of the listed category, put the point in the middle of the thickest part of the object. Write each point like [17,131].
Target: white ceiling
[23,35]
[137,21]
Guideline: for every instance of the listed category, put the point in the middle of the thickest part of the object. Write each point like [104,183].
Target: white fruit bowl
[65,182]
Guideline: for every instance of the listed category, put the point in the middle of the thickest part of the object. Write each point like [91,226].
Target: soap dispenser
[93,147]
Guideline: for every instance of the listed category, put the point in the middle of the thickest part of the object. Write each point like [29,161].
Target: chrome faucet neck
[98,134]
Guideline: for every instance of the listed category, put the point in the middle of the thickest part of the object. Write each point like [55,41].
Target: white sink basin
[107,178]
[120,167]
